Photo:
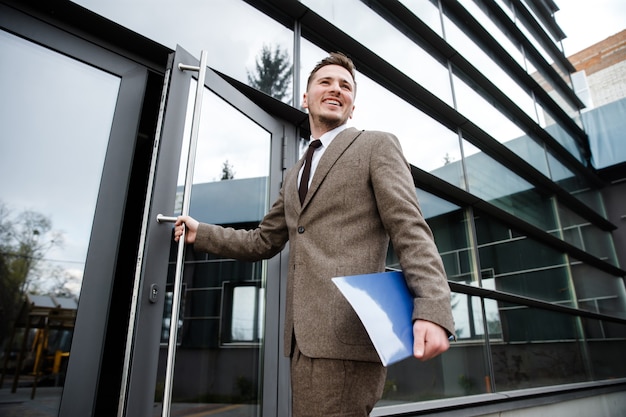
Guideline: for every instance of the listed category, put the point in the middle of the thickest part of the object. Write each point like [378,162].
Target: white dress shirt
[326,138]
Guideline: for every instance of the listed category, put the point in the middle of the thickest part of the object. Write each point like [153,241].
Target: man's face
[330,96]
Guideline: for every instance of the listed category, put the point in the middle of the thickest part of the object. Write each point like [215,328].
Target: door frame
[142,373]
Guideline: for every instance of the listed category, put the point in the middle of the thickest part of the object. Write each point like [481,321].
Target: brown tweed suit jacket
[361,195]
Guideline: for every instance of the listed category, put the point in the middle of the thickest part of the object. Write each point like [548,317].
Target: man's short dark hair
[335,58]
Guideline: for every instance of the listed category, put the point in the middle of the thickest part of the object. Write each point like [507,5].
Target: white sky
[586,22]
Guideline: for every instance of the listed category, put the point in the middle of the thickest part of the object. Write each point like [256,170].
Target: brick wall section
[605,68]
[602,55]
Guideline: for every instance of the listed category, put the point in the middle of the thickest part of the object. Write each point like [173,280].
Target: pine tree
[227,171]
[272,73]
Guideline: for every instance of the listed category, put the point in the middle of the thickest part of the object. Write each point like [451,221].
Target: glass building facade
[101,125]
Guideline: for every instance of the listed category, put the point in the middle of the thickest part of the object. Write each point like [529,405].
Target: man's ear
[305,105]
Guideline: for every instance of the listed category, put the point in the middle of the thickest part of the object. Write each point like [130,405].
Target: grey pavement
[47,400]
[19,404]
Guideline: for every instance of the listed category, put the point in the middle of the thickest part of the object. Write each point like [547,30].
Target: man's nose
[334,86]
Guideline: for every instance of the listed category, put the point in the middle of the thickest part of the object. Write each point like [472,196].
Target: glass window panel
[203,302]
[167,315]
[545,118]
[530,67]
[447,221]
[200,333]
[484,113]
[530,151]
[520,265]
[584,235]
[578,186]
[426,143]
[565,139]
[247,307]
[56,115]
[485,64]
[449,226]
[539,20]
[519,361]
[598,291]
[506,7]
[310,55]
[556,65]
[229,187]
[510,193]
[363,24]
[427,12]
[494,30]
[459,371]
[468,317]
[202,25]
[606,346]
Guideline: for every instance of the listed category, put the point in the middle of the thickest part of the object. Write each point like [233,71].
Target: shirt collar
[327,137]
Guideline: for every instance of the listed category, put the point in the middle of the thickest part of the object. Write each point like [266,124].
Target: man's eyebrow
[341,79]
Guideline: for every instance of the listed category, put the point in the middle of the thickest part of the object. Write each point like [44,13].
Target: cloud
[586,23]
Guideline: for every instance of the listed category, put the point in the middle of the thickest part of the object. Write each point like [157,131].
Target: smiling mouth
[333,102]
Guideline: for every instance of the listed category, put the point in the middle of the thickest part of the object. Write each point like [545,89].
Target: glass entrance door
[226,349]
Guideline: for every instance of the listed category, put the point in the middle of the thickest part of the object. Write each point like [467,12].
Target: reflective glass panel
[493,182]
[492,26]
[55,131]
[520,265]
[530,151]
[227,30]
[606,344]
[538,348]
[578,186]
[599,292]
[427,12]
[480,58]
[584,235]
[367,27]
[222,313]
[458,372]
[462,369]
[426,143]
[546,55]
[483,113]
[449,226]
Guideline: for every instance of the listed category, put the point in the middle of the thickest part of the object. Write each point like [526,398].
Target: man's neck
[317,130]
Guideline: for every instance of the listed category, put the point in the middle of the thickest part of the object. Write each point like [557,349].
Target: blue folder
[384,304]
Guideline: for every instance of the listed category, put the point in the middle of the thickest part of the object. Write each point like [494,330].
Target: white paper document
[384,304]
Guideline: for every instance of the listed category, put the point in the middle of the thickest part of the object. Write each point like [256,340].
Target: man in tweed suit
[360,195]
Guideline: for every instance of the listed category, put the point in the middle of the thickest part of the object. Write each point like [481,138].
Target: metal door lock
[153,297]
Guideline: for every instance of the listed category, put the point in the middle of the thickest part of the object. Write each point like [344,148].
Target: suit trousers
[333,387]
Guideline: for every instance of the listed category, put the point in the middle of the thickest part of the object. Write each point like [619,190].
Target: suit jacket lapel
[336,148]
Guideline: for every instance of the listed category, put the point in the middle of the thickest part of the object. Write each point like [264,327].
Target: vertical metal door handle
[178,278]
